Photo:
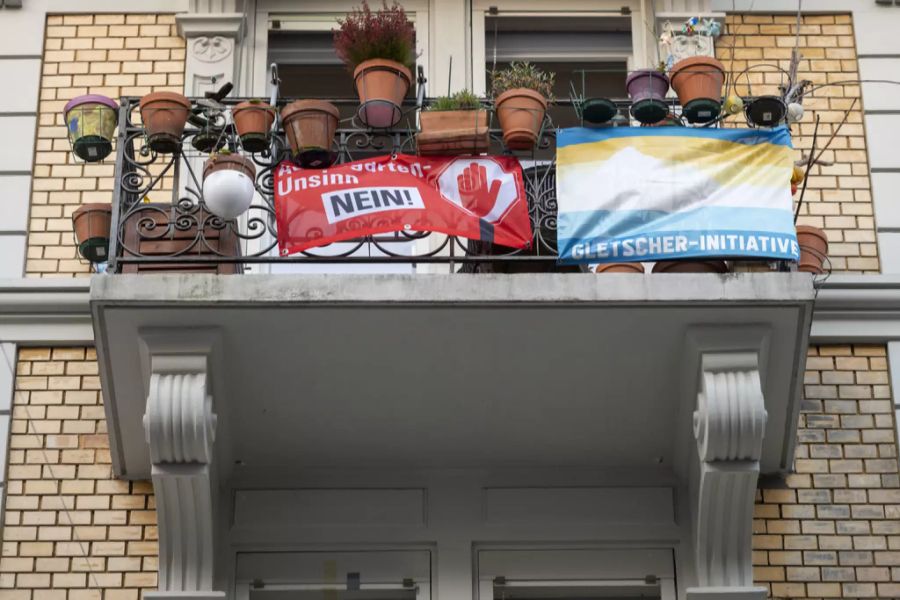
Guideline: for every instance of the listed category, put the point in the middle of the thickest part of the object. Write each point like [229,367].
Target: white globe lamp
[228,185]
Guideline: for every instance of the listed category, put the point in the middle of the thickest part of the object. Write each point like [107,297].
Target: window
[575,574]
[308,65]
[589,54]
[351,575]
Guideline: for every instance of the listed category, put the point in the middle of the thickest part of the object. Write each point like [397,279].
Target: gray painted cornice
[857,308]
[45,312]
[848,308]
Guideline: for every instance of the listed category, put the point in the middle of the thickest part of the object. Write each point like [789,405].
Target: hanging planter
[813,244]
[310,127]
[521,95]
[210,137]
[228,185]
[381,86]
[164,115]
[378,46]
[765,111]
[253,120]
[647,90]
[521,114]
[91,223]
[698,81]
[454,125]
[690,266]
[598,110]
[620,268]
[91,123]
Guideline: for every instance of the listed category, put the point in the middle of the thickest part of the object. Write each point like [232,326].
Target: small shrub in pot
[521,95]
[379,47]
[456,124]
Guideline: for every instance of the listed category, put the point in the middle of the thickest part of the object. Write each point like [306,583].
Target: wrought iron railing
[149,232]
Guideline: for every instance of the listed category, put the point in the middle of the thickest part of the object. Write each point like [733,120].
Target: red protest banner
[481,198]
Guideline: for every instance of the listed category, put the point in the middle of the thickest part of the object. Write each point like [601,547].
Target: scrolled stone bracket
[180,428]
[729,424]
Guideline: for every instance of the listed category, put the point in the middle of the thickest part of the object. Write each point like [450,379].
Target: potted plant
[91,123]
[813,244]
[635,267]
[647,90]
[253,120]
[91,224]
[310,127]
[698,82]
[456,124]
[164,115]
[228,184]
[379,46]
[690,266]
[521,94]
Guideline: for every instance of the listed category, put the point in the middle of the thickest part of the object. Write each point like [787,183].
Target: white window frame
[375,564]
[314,16]
[481,10]
[560,567]
[319,16]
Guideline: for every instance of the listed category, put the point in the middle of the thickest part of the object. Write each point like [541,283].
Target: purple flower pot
[647,89]
[647,83]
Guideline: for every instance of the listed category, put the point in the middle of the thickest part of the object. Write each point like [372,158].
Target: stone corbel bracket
[180,427]
[728,425]
[213,43]
[678,46]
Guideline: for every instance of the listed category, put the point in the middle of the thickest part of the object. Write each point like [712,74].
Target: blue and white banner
[631,194]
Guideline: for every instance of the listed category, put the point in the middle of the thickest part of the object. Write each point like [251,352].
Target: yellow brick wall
[113,55]
[71,531]
[832,529]
[839,197]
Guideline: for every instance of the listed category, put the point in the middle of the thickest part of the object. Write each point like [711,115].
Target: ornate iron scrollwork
[181,230]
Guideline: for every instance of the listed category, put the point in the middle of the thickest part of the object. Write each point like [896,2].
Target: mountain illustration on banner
[643,194]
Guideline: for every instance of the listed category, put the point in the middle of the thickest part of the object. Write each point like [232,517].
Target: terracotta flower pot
[229,162]
[310,127]
[253,121]
[452,132]
[813,244]
[521,114]
[91,223]
[620,268]
[164,115]
[381,85]
[690,266]
[647,90]
[91,123]
[698,81]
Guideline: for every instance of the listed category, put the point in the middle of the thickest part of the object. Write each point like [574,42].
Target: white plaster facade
[587,524]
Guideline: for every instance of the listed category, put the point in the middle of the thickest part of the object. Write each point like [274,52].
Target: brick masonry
[113,55]
[71,531]
[832,528]
[839,197]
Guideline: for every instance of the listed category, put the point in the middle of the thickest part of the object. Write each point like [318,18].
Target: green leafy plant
[464,100]
[365,34]
[523,75]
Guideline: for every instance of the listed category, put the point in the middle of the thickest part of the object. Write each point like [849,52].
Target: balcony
[161,223]
[519,377]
